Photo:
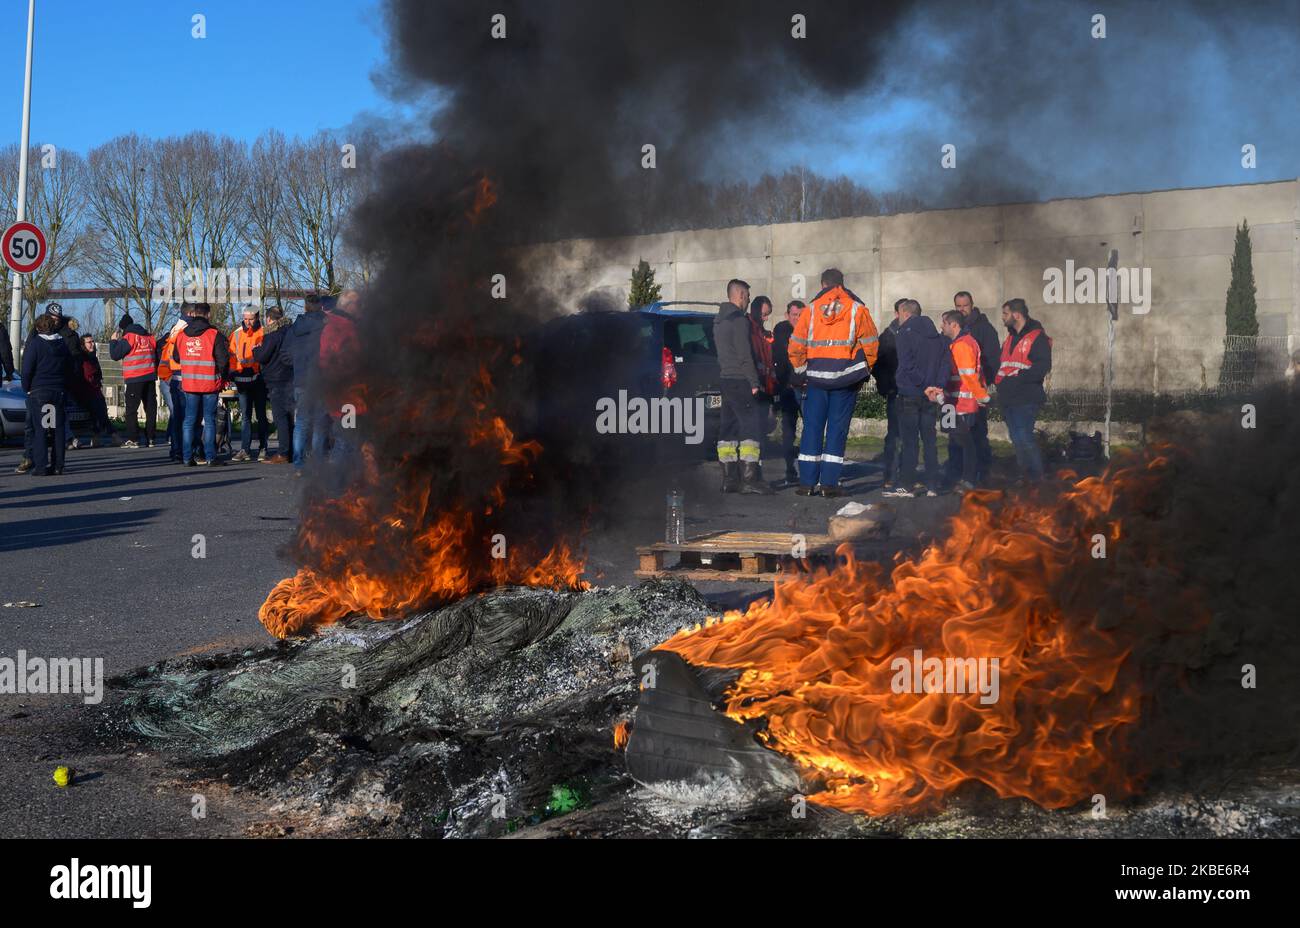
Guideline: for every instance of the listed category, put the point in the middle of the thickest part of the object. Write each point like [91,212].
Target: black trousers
[741,412]
[890,464]
[47,449]
[917,418]
[282,412]
[963,459]
[983,451]
[252,404]
[138,391]
[788,402]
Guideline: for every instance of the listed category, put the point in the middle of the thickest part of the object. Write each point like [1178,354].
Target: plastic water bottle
[675,530]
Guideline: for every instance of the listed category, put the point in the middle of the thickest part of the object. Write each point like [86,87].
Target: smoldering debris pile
[500,714]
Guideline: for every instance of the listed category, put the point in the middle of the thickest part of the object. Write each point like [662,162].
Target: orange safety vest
[1016,359]
[139,361]
[242,343]
[167,363]
[965,389]
[199,362]
[835,342]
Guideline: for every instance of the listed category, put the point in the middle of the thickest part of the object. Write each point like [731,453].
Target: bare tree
[56,201]
[123,248]
[318,190]
[264,203]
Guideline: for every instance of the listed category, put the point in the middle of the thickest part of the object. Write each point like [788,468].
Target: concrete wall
[1184,237]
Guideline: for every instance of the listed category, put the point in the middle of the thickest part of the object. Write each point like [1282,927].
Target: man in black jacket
[277,373]
[47,372]
[790,387]
[739,434]
[922,368]
[137,349]
[884,371]
[1025,362]
[986,336]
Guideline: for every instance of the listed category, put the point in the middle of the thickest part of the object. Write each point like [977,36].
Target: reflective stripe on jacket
[965,388]
[242,365]
[140,362]
[199,372]
[1015,358]
[835,342]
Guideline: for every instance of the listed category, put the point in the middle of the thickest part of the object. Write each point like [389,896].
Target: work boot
[751,479]
[805,490]
[832,492]
[730,476]
[24,466]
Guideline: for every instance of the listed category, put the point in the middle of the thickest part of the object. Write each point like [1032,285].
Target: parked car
[662,350]
[13,414]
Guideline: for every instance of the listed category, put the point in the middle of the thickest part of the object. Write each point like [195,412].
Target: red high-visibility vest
[965,390]
[199,372]
[139,361]
[1014,360]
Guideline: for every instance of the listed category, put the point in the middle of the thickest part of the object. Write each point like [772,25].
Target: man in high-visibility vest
[138,352]
[964,396]
[1025,363]
[169,376]
[833,346]
[204,358]
[247,374]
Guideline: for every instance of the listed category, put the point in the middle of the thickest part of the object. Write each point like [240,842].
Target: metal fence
[1161,375]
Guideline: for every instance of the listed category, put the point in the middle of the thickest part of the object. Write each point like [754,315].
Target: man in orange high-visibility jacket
[833,347]
[204,358]
[964,396]
[1025,363]
[138,352]
[247,374]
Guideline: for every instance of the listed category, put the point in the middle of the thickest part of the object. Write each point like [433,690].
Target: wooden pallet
[731,556]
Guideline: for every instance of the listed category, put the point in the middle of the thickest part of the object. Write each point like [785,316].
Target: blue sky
[1165,101]
[106,67]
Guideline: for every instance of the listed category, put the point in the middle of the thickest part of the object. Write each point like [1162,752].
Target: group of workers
[192,365]
[813,364]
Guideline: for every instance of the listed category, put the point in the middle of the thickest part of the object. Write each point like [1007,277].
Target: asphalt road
[105,553]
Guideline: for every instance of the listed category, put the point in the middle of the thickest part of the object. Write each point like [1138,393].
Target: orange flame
[622,732]
[821,661]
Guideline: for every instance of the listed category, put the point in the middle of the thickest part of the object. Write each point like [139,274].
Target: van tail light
[668,376]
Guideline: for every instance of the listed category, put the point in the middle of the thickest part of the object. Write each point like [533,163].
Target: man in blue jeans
[302,343]
[1025,363]
[205,359]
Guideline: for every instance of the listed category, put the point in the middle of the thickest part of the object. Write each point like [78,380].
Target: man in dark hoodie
[204,356]
[922,368]
[311,421]
[790,389]
[986,336]
[1024,363]
[277,372]
[740,436]
[47,371]
[137,349]
[885,372]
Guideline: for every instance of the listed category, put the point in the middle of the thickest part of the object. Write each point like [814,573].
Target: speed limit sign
[23,247]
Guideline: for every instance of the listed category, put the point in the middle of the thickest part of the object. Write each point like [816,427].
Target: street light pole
[16,296]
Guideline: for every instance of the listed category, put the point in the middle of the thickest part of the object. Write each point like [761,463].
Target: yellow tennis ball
[62,776]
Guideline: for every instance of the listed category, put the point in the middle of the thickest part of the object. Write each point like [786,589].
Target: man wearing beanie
[138,352]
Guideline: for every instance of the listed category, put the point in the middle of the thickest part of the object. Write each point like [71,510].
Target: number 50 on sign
[23,247]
